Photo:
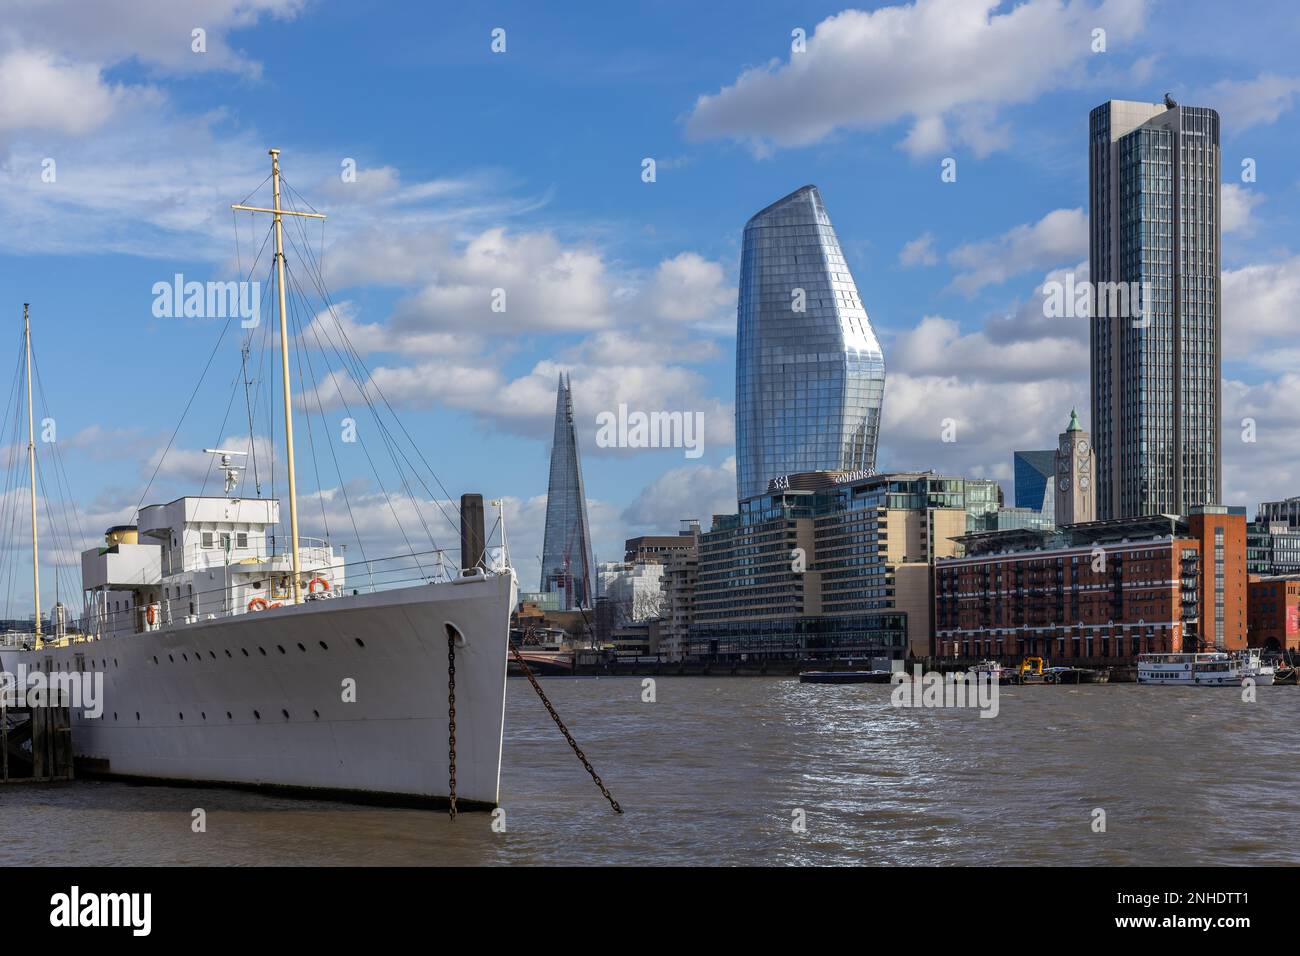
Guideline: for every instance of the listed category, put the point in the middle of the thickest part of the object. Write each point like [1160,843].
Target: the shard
[810,375]
[567,566]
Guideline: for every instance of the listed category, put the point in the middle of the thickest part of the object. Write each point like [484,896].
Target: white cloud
[155,32]
[692,491]
[1238,203]
[1247,103]
[1267,468]
[928,60]
[919,252]
[1260,305]
[45,93]
[1061,235]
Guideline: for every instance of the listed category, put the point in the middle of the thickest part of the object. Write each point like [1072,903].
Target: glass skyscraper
[567,566]
[1154,204]
[810,376]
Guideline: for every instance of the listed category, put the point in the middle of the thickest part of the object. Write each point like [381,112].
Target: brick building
[1273,612]
[1102,590]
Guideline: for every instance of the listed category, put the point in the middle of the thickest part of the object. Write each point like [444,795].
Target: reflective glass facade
[810,375]
[1154,226]
[567,566]
[1035,473]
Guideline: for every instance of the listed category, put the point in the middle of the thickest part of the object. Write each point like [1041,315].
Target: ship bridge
[198,558]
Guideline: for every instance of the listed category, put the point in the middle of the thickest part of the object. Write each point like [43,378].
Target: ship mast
[31,465]
[279,213]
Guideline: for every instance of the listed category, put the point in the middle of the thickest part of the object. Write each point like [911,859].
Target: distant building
[831,565]
[1035,474]
[810,375]
[681,573]
[567,564]
[1075,479]
[1273,538]
[1154,219]
[1273,612]
[656,548]
[1104,590]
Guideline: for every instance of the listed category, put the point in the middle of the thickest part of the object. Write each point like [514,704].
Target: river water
[721,770]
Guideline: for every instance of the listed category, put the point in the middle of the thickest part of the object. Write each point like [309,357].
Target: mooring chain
[564,730]
[451,723]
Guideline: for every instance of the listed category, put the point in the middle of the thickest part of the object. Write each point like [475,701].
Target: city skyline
[625,281]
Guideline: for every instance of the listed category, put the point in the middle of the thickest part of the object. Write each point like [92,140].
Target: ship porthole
[360,642]
[256,715]
[262,651]
[323,645]
[316,714]
[228,716]
[280,648]
[301,648]
[228,652]
[243,651]
[454,633]
[286,714]
[137,715]
[203,714]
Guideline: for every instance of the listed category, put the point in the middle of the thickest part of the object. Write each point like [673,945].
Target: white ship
[1205,669]
[230,658]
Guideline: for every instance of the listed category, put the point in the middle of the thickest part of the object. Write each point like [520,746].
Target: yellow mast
[279,213]
[31,465]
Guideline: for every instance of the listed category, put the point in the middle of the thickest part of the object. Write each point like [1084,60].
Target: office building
[567,566]
[810,375]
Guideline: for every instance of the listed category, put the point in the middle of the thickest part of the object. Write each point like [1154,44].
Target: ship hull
[346,697]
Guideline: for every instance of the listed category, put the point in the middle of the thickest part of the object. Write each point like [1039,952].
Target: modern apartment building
[829,564]
[1156,333]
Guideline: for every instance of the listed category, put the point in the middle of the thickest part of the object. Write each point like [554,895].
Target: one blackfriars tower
[810,376]
[1154,221]
[567,566]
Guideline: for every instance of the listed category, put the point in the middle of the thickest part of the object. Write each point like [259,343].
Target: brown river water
[715,769]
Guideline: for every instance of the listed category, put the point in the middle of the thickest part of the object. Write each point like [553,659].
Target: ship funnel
[471,533]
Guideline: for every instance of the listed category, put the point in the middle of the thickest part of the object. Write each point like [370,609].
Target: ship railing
[358,577]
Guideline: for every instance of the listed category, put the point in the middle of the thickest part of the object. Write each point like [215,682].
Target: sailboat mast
[284,370]
[279,214]
[31,465]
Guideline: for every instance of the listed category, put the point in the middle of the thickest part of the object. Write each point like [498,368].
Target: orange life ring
[258,604]
[150,615]
[311,585]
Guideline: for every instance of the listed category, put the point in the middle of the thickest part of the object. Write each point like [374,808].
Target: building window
[205,539]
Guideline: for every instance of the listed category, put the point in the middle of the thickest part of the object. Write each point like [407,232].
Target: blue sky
[523,170]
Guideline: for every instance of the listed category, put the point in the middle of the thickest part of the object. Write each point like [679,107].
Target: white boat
[1204,669]
[230,657]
